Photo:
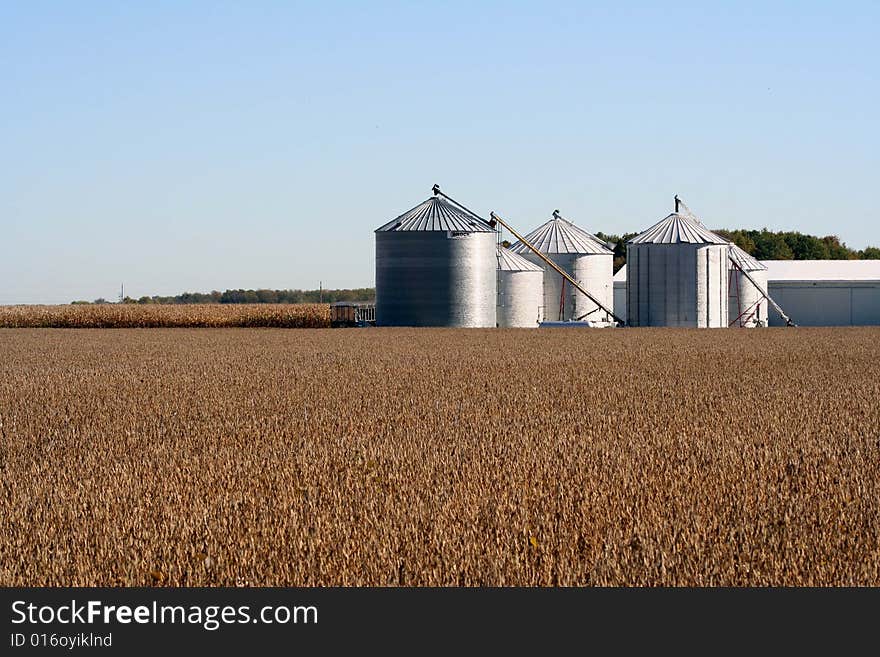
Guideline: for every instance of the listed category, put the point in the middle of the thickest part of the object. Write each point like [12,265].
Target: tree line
[256,296]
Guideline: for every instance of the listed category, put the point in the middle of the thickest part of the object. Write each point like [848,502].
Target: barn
[825,292]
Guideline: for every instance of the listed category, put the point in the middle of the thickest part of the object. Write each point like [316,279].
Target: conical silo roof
[509,261]
[678,229]
[437,214]
[745,261]
[561,236]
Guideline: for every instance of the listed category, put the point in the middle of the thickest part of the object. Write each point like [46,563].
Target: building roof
[561,236]
[744,260]
[823,270]
[677,228]
[509,261]
[437,214]
[620,276]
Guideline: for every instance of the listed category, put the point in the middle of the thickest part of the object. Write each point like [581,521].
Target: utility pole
[121,292]
[320,291]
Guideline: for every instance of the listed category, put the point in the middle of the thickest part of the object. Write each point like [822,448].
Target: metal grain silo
[747,304]
[676,275]
[436,266]
[583,257]
[520,291]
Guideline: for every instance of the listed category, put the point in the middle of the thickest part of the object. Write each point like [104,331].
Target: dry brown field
[439,457]
[113,315]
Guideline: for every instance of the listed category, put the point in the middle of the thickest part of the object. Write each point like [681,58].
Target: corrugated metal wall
[620,299]
[682,285]
[743,296]
[825,303]
[593,272]
[520,299]
[435,278]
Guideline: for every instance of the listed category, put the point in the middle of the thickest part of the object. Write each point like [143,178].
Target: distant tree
[837,250]
[870,253]
[739,237]
[806,247]
[267,296]
[100,300]
[260,296]
[723,232]
[293,296]
[619,246]
[771,246]
[235,296]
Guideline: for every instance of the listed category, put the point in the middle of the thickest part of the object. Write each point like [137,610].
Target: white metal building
[677,274]
[825,292]
[520,291]
[581,256]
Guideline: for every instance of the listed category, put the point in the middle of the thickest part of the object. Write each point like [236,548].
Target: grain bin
[677,274]
[747,304]
[520,291]
[436,266]
[583,257]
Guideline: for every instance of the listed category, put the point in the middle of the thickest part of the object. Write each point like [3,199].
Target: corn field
[440,457]
[166,316]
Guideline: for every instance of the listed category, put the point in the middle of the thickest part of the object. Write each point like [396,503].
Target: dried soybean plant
[439,457]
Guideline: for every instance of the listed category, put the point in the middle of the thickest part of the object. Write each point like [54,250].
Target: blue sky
[196,146]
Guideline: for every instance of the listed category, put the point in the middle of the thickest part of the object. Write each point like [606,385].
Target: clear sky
[195,146]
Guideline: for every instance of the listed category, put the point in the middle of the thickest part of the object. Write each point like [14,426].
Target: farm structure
[678,273]
[436,266]
[582,256]
[826,292]
[747,291]
[350,314]
[441,264]
[813,292]
[520,291]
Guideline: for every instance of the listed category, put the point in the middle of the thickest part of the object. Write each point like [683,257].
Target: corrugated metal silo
[583,257]
[520,291]
[436,266]
[677,273]
[747,306]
